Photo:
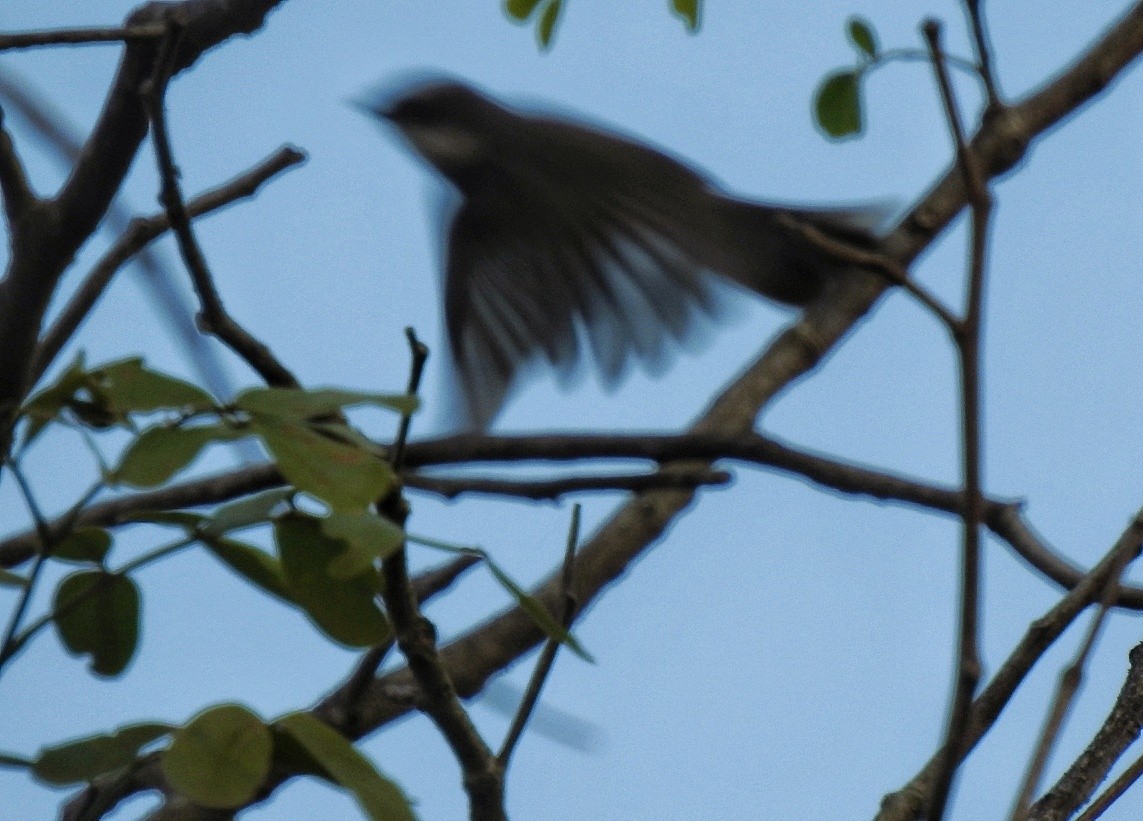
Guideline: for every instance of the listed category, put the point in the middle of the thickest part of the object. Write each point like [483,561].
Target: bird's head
[446,122]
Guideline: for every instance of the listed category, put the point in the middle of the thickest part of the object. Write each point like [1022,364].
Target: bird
[567,237]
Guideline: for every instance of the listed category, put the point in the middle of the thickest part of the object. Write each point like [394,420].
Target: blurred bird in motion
[567,236]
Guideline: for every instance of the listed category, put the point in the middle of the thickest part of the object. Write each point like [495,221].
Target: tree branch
[74,37]
[141,232]
[49,236]
[908,803]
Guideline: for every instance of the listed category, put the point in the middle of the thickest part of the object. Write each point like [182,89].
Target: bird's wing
[536,274]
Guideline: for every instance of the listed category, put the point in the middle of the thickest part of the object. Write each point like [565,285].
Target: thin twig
[542,489]
[1119,730]
[907,804]
[160,280]
[872,261]
[77,37]
[1070,680]
[142,231]
[1002,517]
[10,646]
[395,507]
[214,317]
[968,347]
[548,654]
[419,353]
[438,699]
[983,55]
[49,537]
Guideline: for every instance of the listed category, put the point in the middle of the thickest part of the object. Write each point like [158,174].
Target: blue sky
[783,652]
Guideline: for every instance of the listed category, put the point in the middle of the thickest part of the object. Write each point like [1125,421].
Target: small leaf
[86,758]
[97,614]
[129,387]
[188,521]
[344,609]
[861,35]
[838,105]
[46,404]
[247,511]
[295,403]
[538,613]
[346,477]
[256,566]
[380,798]
[520,10]
[87,544]
[161,452]
[547,25]
[689,11]
[368,537]
[220,758]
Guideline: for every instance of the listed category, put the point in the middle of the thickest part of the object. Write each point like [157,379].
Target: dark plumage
[567,233]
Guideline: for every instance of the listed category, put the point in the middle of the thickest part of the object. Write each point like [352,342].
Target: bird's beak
[374,107]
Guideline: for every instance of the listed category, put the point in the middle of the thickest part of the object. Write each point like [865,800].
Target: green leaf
[129,387]
[247,511]
[86,758]
[367,536]
[547,25]
[187,520]
[295,403]
[861,35]
[344,609]
[520,10]
[45,405]
[346,477]
[838,105]
[379,797]
[689,11]
[221,758]
[538,613]
[161,452]
[10,579]
[88,544]
[97,614]
[256,566]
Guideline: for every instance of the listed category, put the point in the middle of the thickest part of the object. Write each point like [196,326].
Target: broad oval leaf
[256,566]
[838,105]
[379,797]
[128,386]
[344,609]
[345,476]
[88,544]
[220,758]
[367,537]
[86,758]
[45,405]
[161,452]
[97,614]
